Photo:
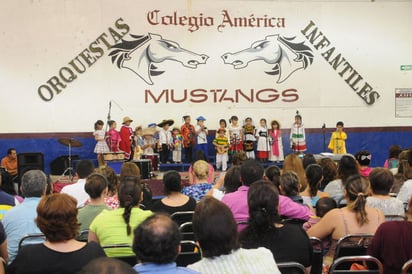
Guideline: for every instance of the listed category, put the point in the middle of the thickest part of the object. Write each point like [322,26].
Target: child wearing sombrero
[126,134]
[148,141]
[165,140]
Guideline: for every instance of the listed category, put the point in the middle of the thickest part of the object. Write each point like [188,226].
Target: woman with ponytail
[287,242]
[355,218]
[116,226]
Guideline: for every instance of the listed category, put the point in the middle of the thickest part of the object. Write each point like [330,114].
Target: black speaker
[59,165]
[29,161]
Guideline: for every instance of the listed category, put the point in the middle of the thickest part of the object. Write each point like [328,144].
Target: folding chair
[317,256]
[30,239]
[396,218]
[353,245]
[342,265]
[407,267]
[186,231]
[181,217]
[131,260]
[291,268]
[189,254]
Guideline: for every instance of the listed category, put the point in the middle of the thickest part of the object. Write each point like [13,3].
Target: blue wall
[377,142]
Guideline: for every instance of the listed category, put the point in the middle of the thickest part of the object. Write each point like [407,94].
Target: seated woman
[289,186]
[60,253]
[381,180]
[287,242]
[174,200]
[131,169]
[200,155]
[330,171]
[231,183]
[111,200]
[116,226]
[294,163]
[355,218]
[202,186]
[216,230]
[314,176]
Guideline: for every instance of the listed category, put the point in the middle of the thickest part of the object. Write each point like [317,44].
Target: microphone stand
[324,137]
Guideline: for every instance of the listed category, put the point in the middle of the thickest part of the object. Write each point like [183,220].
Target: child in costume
[249,138]
[101,146]
[188,133]
[297,135]
[177,145]
[137,143]
[337,143]
[221,144]
[126,133]
[113,137]
[275,141]
[201,133]
[149,142]
[236,135]
[165,140]
[262,141]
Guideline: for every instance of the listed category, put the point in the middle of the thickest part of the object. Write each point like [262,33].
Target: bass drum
[154,158]
[145,167]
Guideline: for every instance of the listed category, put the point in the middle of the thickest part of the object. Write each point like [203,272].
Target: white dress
[101,146]
[262,143]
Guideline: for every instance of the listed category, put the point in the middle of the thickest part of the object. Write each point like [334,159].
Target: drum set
[149,165]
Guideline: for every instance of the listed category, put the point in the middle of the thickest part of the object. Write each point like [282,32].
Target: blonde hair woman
[202,186]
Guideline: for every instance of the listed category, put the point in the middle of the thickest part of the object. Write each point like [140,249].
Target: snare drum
[154,158]
[145,167]
[108,156]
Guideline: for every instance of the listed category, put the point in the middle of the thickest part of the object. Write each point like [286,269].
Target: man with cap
[201,134]
[126,133]
[165,140]
[188,133]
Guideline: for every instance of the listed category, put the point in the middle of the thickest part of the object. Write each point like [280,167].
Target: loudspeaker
[29,161]
[59,165]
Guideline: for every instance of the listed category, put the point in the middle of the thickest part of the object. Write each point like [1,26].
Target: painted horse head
[140,55]
[286,56]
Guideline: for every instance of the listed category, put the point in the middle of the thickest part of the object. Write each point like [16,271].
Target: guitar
[222,149]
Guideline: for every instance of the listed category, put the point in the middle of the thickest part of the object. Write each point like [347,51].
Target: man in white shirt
[83,169]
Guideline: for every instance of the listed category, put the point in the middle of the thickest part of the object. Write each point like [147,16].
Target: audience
[173,201]
[200,155]
[216,231]
[202,185]
[19,221]
[116,226]
[403,173]
[60,253]
[96,188]
[156,245]
[314,176]
[231,183]
[392,245]
[289,186]
[355,218]
[106,265]
[4,257]
[272,173]
[330,171]
[83,169]
[308,159]
[405,191]
[363,158]
[294,163]
[347,167]
[381,180]
[392,162]
[287,242]
[7,201]
[111,199]
[250,172]
[9,163]
[131,169]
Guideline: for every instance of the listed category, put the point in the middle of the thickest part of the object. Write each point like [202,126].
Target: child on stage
[249,137]
[297,135]
[221,144]
[337,143]
[165,140]
[126,133]
[113,137]
[188,133]
[201,133]
[275,140]
[177,145]
[262,141]
[236,135]
[101,146]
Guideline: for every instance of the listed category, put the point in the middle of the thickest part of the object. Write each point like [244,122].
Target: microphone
[324,125]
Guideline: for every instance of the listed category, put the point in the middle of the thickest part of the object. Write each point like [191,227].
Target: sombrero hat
[148,131]
[127,119]
[166,122]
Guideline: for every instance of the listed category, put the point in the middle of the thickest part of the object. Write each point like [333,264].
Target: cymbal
[70,142]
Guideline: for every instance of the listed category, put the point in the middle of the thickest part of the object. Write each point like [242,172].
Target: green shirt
[88,213]
[110,228]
